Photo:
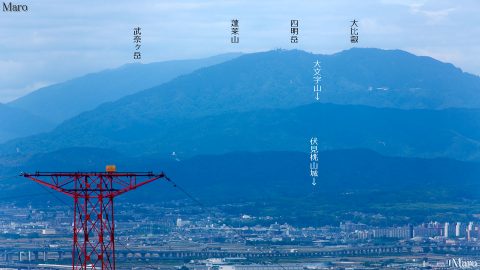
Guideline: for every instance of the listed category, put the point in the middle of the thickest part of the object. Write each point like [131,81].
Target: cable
[175,185]
[56,197]
[185,192]
[28,195]
[22,196]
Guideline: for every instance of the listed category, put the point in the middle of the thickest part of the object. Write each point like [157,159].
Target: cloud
[425,8]
[58,40]
[9,94]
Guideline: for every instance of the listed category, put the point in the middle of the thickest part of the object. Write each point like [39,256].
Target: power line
[56,197]
[69,205]
[8,176]
[27,195]
[202,206]
[174,184]
[22,196]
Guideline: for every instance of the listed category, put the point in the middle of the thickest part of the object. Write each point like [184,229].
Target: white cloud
[9,94]
[429,9]
[58,40]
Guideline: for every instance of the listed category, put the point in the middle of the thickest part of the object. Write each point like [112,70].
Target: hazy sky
[57,40]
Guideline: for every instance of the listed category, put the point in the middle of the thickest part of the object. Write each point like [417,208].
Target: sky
[57,40]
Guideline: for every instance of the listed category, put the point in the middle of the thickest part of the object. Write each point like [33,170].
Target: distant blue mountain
[398,79]
[278,183]
[61,101]
[367,169]
[453,133]
[19,123]
[240,131]
[254,102]
[284,79]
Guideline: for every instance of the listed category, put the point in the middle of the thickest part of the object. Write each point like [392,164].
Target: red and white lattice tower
[93,222]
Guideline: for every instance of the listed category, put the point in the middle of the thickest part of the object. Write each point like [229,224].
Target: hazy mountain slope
[284,79]
[398,79]
[64,100]
[451,133]
[16,123]
[195,113]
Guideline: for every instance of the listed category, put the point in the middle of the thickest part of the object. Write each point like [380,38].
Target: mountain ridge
[278,182]
[88,91]
[453,133]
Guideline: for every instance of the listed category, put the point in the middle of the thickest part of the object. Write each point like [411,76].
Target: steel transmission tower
[93,222]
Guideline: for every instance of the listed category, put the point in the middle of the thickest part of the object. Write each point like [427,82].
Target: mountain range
[58,102]
[278,183]
[453,133]
[392,127]
[265,101]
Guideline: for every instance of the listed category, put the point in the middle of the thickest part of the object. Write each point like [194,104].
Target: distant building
[181,223]
[472,231]
[49,231]
[460,229]
[399,232]
[352,227]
